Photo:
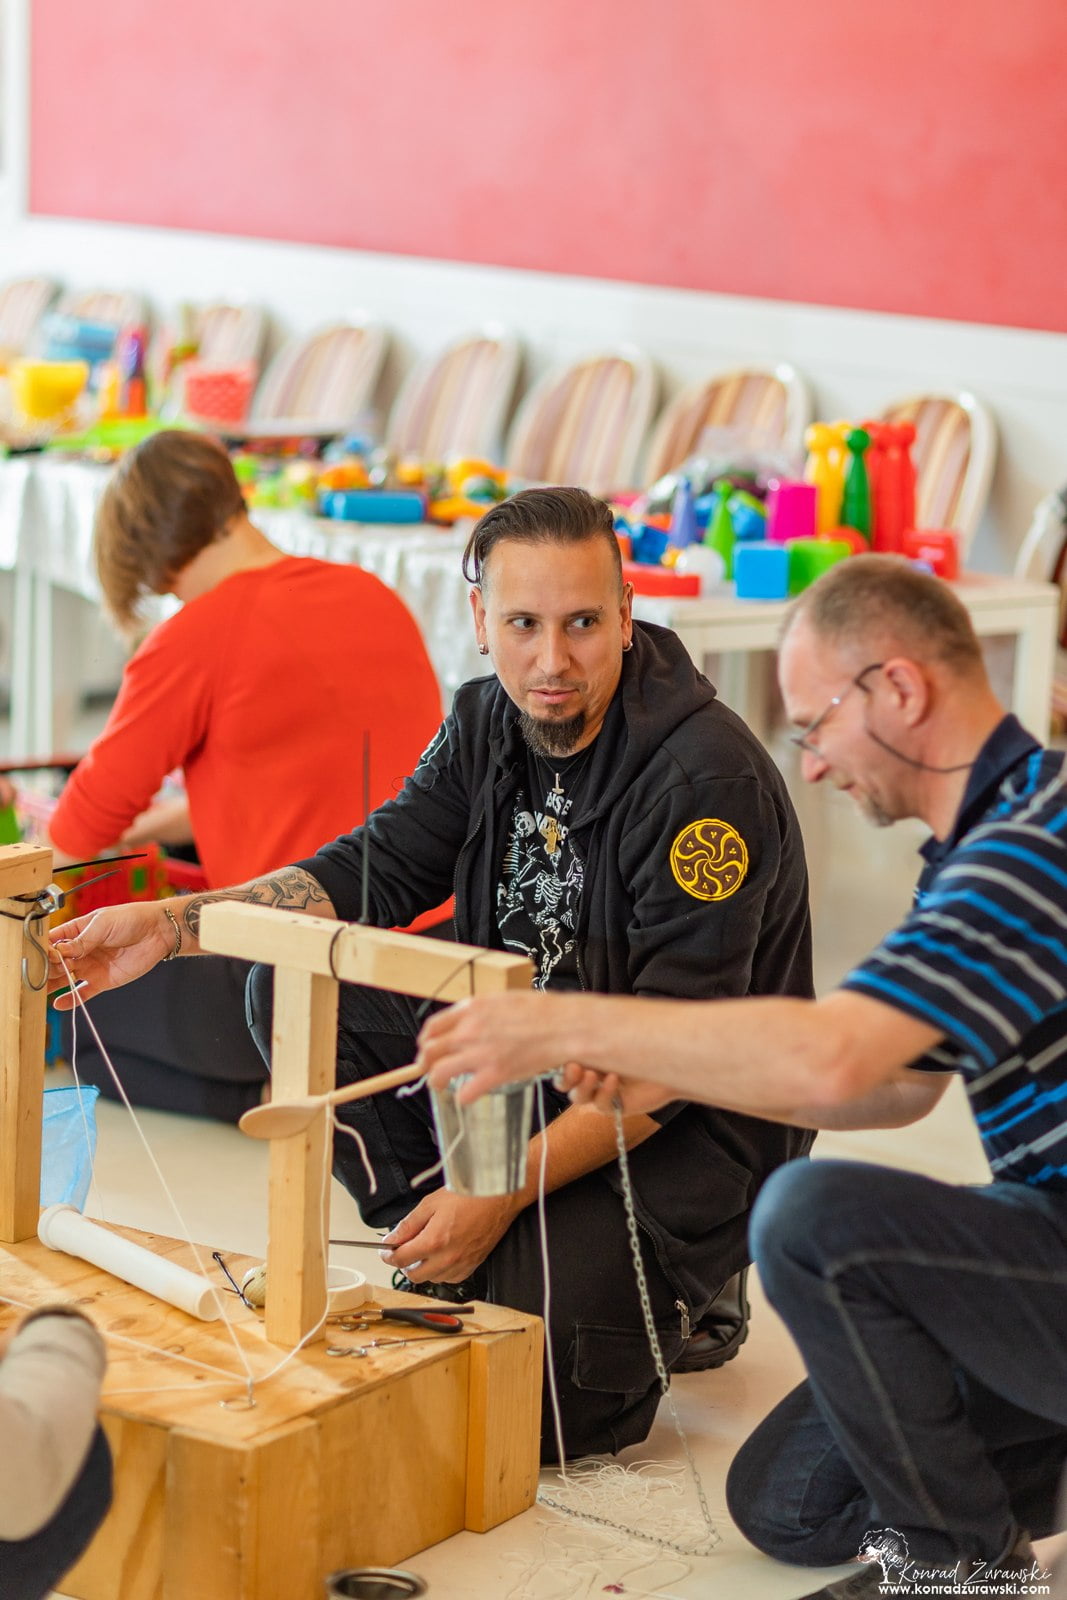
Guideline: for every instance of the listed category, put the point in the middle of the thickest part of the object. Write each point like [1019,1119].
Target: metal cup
[483,1145]
[373,1583]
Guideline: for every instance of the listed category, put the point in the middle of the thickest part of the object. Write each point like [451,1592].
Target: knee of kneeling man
[781,1206]
[754,1512]
[794,1208]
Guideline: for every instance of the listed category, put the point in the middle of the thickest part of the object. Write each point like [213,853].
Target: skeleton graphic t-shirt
[541,874]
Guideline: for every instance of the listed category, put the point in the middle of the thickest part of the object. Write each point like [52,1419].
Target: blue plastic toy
[685,529]
[373,505]
[761,571]
[649,543]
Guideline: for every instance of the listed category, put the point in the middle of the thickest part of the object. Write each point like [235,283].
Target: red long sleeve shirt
[261,690]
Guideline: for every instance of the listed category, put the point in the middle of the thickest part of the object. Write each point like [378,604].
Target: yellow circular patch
[709,859]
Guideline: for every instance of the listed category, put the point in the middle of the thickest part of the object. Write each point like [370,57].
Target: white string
[576,1482]
[94,1187]
[136,1344]
[353,1133]
[439,1166]
[224,1376]
[576,1486]
[546,1306]
[79,1002]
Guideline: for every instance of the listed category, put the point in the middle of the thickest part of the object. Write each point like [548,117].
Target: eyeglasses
[804,740]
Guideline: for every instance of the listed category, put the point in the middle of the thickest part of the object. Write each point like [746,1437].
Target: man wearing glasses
[930,1434]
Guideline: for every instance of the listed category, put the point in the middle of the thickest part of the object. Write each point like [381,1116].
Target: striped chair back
[584,424]
[117,308]
[228,335]
[954,453]
[454,403]
[22,303]
[327,378]
[773,404]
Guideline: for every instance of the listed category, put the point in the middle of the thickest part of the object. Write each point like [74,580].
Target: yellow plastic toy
[825,468]
[46,391]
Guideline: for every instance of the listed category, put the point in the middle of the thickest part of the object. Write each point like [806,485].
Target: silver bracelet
[172,919]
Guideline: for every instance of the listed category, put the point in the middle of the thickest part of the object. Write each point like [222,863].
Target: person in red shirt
[260,689]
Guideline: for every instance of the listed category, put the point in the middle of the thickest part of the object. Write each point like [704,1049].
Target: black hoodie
[694,887]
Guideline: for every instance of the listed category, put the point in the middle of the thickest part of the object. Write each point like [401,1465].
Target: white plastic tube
[63,1228]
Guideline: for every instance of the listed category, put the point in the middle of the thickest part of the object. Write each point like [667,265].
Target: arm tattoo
[289,889]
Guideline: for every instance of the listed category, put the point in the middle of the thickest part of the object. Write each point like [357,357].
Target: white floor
[219,1178]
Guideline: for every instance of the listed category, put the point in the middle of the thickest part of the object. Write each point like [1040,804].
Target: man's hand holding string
[108,948]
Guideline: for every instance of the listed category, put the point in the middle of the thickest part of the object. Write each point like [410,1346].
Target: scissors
[415,1316]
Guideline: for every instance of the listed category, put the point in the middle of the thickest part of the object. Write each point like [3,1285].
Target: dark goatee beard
[551,739]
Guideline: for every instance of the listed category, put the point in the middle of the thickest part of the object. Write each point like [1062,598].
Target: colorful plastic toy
[748,515]
[856,497]
[761,571]
[653,580]
[720,534]
[791,509]
[373,505]
[684,527]
[938,548]
[810,558]
[825,470]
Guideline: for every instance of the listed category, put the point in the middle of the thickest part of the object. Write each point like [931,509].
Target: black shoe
[456,1294]
[721,1331]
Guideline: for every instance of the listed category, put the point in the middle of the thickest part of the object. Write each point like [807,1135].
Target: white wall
[855,362]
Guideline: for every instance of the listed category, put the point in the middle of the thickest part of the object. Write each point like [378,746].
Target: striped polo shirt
[983,956]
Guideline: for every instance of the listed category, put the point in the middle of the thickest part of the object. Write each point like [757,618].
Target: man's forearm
[288,889]
[577,1142]
[764,1057]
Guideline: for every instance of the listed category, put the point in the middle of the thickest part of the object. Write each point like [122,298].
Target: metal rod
[364,910]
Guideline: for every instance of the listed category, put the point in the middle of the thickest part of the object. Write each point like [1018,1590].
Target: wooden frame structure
[342,1461]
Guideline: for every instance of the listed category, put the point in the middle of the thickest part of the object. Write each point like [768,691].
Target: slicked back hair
[876,606]
[540,516]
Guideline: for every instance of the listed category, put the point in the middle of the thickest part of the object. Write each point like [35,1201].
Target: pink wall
[901,157]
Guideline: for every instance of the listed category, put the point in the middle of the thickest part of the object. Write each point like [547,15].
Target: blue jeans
[29,1568]
[933,1325]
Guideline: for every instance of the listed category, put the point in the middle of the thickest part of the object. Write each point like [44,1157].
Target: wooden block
[343,1462]
[412,1441]
[126,1558]
[23,870]
[406,963]
[502,1469]
[303,1052]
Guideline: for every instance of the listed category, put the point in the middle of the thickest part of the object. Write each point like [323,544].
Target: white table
[51,547]
[47,506]
[744,634]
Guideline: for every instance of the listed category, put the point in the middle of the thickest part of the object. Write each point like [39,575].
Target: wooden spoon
[283,1119]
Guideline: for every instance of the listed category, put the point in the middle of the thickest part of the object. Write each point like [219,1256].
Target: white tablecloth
[47,507]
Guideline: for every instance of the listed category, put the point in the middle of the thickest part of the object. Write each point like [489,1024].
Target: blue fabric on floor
[66,1155]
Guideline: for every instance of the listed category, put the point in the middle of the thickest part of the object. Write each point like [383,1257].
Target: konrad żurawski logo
[709,859]
[889,1548]
[901,1575]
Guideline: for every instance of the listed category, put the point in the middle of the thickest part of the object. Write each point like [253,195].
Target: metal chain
[712,1538]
